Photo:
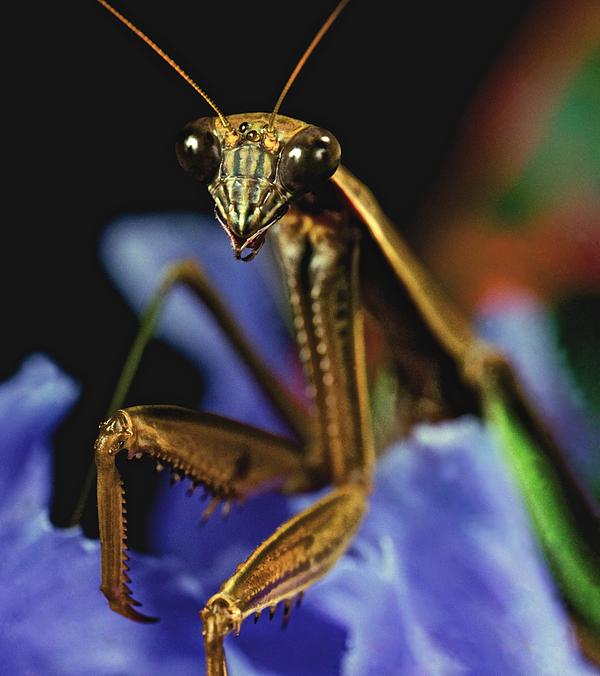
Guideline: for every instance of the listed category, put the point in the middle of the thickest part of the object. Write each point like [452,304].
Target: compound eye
[309,158]
[198,149]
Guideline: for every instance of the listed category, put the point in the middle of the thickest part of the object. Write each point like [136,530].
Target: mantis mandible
[273,176]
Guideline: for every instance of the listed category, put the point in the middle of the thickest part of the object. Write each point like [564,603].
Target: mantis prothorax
[277,177]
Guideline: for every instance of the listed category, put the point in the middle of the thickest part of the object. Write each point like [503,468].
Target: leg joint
[220,617]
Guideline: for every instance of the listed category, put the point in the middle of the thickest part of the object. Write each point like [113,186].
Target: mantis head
[253,171]
[252,167]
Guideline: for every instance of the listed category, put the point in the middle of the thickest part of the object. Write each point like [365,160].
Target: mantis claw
[125,607]
[236,461]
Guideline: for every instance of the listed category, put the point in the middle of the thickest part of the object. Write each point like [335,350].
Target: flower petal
[446,577]
[215,548]
[54,612]
[31,405]
[53,618]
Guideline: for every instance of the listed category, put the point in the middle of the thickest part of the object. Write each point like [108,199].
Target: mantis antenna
[168,59]
[126,377]
[304,58]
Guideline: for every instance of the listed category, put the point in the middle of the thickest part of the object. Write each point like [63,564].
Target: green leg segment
[573,556]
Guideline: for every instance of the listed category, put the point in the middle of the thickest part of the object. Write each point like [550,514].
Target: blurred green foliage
[567,160]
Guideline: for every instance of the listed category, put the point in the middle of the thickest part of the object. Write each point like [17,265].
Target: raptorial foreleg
[300,552]
[231,460]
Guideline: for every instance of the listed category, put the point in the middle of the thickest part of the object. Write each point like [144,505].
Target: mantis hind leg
[190,275]
[300,552]
[566,520]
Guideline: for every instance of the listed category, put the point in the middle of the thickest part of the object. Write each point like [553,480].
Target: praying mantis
[276,177]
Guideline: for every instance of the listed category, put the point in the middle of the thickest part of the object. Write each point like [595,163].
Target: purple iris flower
[53,619]
[432,584]
[444,576]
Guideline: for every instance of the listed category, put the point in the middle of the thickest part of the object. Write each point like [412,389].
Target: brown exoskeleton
[272,175]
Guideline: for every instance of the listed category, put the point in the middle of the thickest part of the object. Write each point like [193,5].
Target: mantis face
[253,172]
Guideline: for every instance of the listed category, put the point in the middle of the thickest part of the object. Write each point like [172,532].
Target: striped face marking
[247,195]
[253,172]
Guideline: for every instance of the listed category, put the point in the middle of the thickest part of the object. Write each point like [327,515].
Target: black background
[90,118]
